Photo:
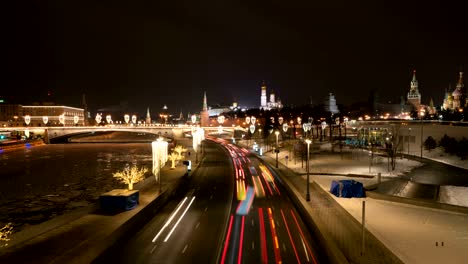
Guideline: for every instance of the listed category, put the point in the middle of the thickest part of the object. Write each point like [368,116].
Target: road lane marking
[170,219]
[152,250]
[206,208]
[197,225]
[180,218]
[253,245]
[185,248]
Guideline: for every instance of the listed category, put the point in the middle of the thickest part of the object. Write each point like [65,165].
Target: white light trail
[307,255]
[180,218]
[170,219]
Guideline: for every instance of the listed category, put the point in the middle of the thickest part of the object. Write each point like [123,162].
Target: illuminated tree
[174,157]
[131,175]
[5,233]
[179,149]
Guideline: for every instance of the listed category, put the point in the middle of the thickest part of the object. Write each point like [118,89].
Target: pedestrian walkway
[396,232]
[82,238]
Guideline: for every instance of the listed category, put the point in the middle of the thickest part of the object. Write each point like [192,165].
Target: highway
[234,210]
[263,227]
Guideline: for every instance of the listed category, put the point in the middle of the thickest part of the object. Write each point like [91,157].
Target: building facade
[41,115]
[268,105]
[414,97]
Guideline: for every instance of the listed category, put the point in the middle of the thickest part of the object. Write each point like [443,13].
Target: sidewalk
[80,238]
[407,233]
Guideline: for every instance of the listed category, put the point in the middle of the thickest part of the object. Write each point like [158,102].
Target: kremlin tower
[204,116]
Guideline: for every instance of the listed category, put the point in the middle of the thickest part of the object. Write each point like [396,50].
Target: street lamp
[421,115]
[308,141]
[277,147]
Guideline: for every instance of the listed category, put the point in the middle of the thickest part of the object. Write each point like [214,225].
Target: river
[40,182]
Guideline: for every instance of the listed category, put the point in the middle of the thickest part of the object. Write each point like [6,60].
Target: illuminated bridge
[50,133]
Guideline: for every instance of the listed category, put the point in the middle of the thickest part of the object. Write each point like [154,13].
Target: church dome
[456,93]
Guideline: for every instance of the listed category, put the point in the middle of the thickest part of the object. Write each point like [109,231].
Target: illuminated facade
[414,97]
[457,99]
[268,105]
[41,115]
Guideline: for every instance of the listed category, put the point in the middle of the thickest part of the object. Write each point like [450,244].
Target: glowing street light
[194,119]
[159,149]
[308,141]
[45,119]
[421,116]
[108,119]
[76,119]
[27,119]
[126,118]
[62,119]
[98,119]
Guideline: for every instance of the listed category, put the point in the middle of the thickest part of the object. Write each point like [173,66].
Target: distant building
[268,105]
[41,115]
[330,104]
[456,99]
[414,97]
[204,115]
[148,117]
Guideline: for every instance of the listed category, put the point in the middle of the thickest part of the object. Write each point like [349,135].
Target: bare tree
[5,233]
[392,145]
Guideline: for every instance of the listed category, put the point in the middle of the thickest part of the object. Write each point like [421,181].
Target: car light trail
[226,243]
[180,218]
[303,238]
[290,237]
[170,219]
[244,206]
[274,237]
[239,256]
[262,236]
[267,184]
[259,191]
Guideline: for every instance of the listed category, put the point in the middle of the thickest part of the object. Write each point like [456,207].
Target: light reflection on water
[49,169]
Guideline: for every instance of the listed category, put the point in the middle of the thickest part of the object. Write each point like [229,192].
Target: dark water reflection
[49,169]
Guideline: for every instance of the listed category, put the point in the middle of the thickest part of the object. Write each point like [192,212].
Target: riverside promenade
[81,236]
[413,231]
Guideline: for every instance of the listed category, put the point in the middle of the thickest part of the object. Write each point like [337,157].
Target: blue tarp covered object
[347,189]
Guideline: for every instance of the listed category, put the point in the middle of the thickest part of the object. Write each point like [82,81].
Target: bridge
[174,132]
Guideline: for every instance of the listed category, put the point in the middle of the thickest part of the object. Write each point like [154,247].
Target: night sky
[151,53]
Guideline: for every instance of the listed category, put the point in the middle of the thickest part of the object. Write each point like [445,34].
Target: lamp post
[308,141]
[277,148]
[421,115]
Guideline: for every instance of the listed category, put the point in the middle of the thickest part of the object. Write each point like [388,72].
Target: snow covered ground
[415,234]
[450,194]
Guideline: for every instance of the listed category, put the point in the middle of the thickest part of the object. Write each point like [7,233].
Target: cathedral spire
[148,117]
[205,104]
[460,84]
[414,82]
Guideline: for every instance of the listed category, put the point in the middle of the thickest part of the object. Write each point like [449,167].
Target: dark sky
[151,53]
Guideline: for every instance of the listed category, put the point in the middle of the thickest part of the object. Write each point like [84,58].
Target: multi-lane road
[234,210]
